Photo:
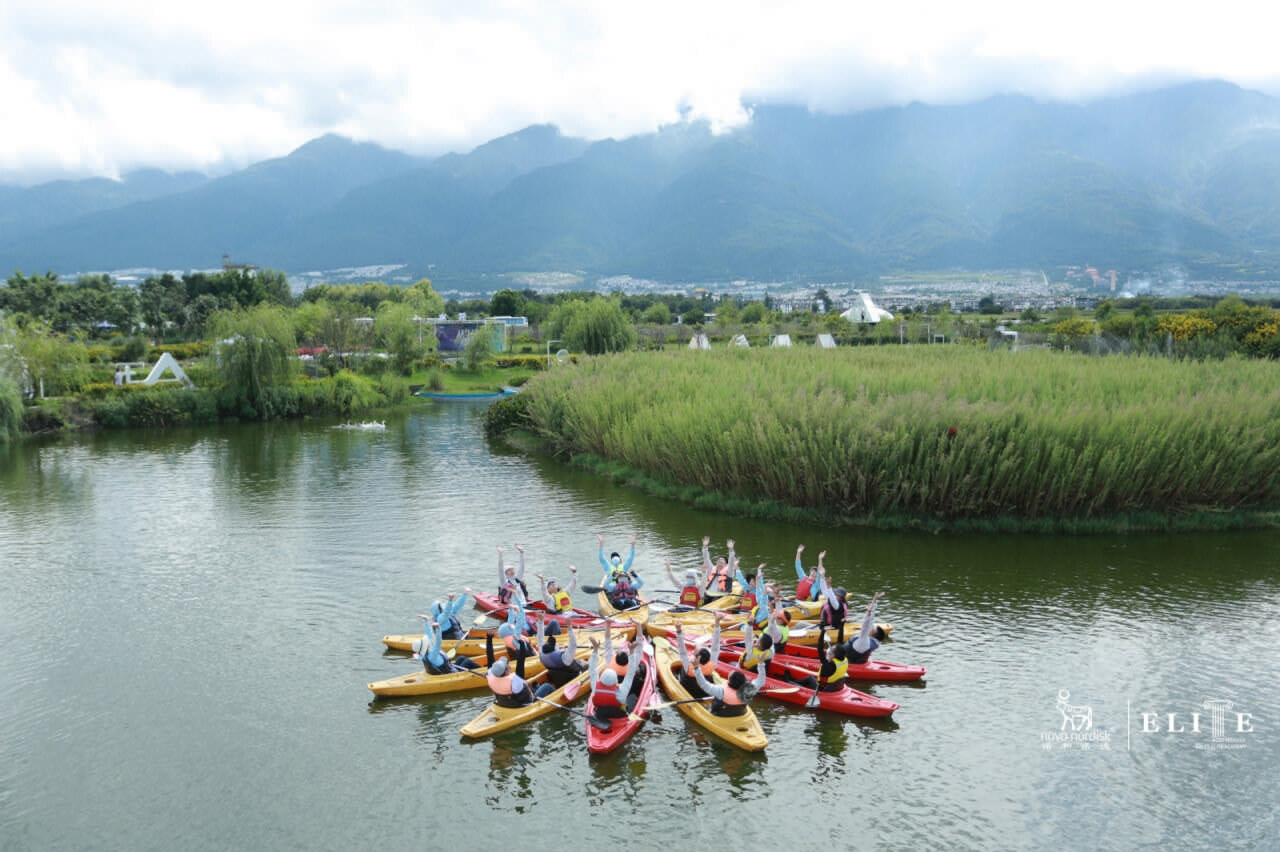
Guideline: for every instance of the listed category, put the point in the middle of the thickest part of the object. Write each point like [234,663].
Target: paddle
[598,724]
[592,590]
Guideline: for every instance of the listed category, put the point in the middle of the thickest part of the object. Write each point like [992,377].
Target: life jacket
[752,658]
[432,668]
[730,705]
[554,660]
[708,668]
[500,685]
[804,589]
[831,617]
[720,577]
[560,601]
[691,596]
[507,590]
[453,631]
[747,602]
[835,680]
[605,696]
[759,615]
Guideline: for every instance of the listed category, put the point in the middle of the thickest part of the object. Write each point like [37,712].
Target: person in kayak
[732,698]
[834,608]
[511,580]
[562,666]
[690,591]
[435,661]
[807,586]
[554,596]
[753,588]
[859,648]
[612,696]
[446,615]
[720,575]
[704,660]
[509,688]
[614,564]
[835,666]
[756,652]
[623,589]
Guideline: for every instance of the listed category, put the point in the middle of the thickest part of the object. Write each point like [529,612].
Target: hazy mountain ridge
[1186,175]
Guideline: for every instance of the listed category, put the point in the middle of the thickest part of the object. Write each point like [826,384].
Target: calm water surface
[189,619]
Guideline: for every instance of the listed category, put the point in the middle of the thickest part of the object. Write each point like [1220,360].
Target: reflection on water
[190,619]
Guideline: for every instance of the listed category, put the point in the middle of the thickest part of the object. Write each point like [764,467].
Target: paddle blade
[571,689]
[599,724]
[813,700]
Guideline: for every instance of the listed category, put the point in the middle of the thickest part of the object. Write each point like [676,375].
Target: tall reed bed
[941,432]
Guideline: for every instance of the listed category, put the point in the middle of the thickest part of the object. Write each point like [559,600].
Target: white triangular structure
[865,310]
[825,341]
[699,341]
[167,362]
[740,340]
[780,340]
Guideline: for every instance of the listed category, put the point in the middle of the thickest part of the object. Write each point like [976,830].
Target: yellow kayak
[423,682]
[636,615]
[473,645]
[496,718]
[742,731]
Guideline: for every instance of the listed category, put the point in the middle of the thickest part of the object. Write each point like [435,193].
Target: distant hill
[1185,175]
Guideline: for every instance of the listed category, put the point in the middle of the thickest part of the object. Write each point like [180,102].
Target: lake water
[189,619]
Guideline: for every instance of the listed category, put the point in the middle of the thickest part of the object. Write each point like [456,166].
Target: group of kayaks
[660,668]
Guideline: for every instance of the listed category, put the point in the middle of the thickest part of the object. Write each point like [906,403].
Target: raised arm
[800,572]
[633,665]
[520,570]
[671,574]
[631,556]
[594,663]
[502,569]
[862,642]
[573,580]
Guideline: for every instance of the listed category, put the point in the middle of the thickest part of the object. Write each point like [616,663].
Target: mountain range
[1185,176]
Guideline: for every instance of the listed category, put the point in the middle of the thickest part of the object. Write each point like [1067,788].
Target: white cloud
[97,88]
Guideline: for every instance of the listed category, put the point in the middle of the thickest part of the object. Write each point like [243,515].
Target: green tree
[657,314]
[506,303]
[599,327]
[54,366]
[480,348]
[37,297]
[753,312]
[255,348]
[397,330]
[10,408]
[1105,310]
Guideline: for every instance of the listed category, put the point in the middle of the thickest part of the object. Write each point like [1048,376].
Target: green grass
[864,435]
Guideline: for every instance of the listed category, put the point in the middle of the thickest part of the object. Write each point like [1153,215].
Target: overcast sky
[98,88]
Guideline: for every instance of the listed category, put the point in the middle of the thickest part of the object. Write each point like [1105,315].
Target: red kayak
[491,606]
[847,700]
[620,730]
[804,657]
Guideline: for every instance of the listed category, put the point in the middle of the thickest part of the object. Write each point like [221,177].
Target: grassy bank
[936,436]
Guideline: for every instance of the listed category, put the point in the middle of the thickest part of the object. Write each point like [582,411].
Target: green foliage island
[931,437]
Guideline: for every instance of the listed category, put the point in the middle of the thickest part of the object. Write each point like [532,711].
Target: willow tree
[255,349]
[597,327]
[10,407]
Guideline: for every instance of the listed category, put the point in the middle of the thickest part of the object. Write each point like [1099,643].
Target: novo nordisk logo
[1077,730]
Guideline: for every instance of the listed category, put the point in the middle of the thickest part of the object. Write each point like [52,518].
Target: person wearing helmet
[556,598]
[807,586]
[509,688]
[720,575]
[690,590]
[729,699]
[434,660]
[562,666]
[511,579]
[834,608]
[615,565]
[612,696]
[446,616]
